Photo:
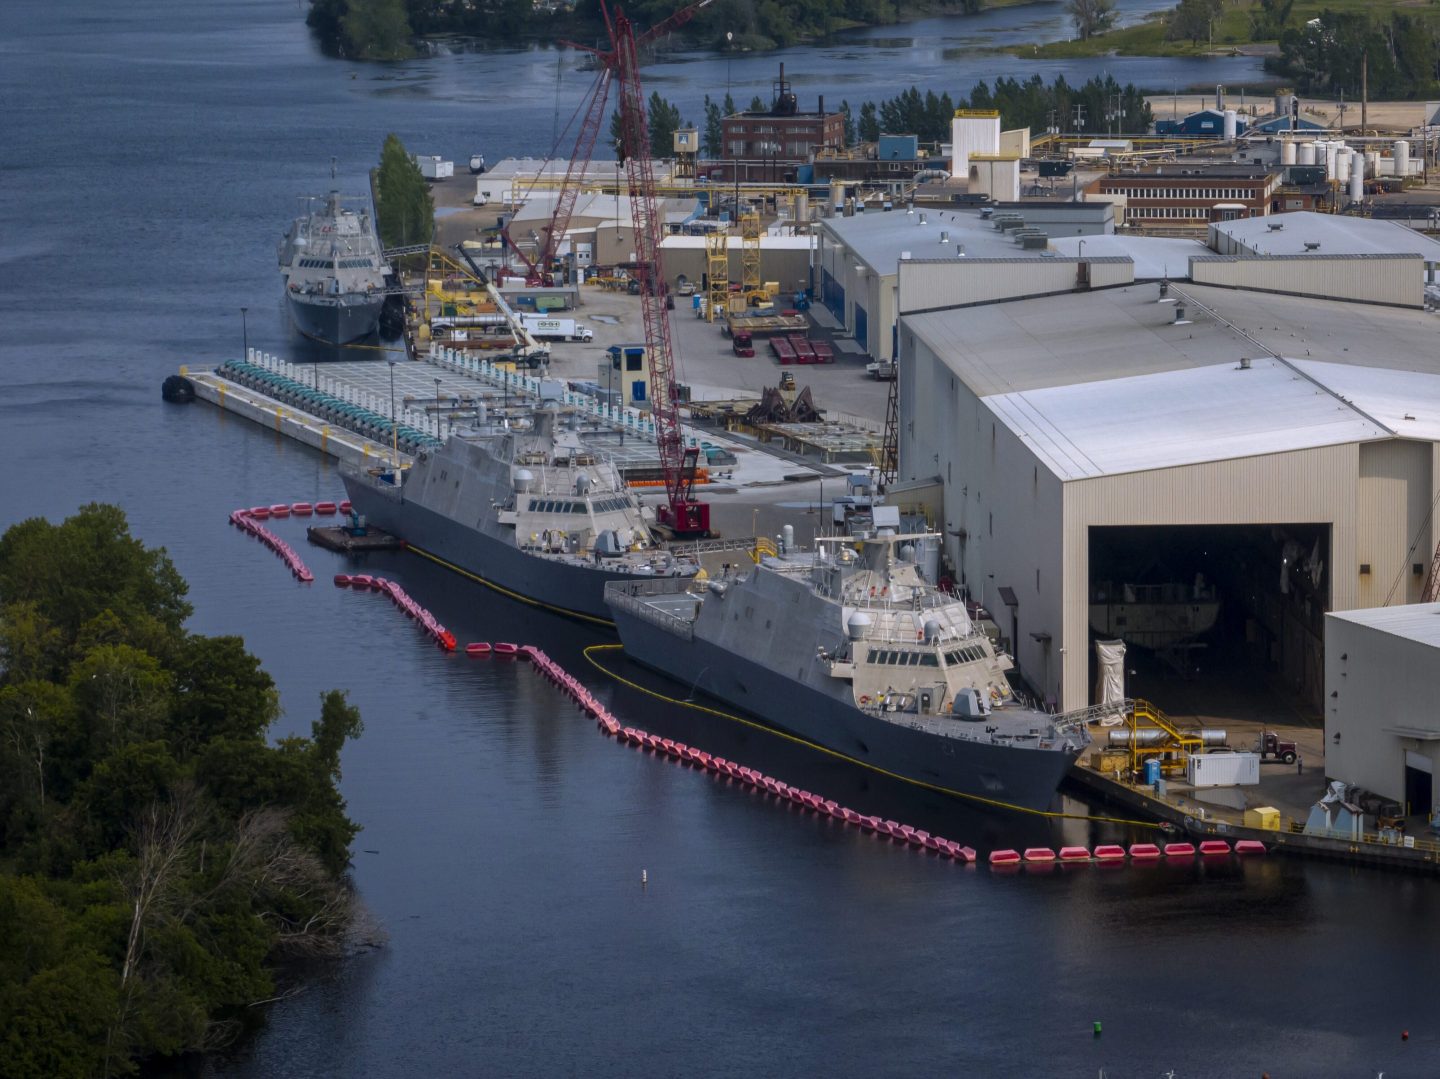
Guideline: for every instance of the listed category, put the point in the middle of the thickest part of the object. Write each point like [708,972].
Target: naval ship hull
[565,588]
[336,323]
[1023,777]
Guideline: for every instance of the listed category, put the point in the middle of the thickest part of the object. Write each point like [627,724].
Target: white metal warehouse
[1382,701]
[1284,446]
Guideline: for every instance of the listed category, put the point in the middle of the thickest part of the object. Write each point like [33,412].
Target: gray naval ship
[849,647]
[334,271]
[531,512]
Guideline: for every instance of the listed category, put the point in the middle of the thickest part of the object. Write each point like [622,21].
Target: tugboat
[335,274]
[532,512]
[851,648]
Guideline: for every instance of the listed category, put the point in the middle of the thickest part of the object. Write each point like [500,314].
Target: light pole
[394,431]
[437,408]
[244,335]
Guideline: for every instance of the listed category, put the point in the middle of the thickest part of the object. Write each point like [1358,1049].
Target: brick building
[1188,195]
[782,135]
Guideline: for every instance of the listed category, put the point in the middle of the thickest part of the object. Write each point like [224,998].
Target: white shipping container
[1223,769]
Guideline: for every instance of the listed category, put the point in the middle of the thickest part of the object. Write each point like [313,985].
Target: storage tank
[1332,153]
[1372,162]
[1306,153]
[1402,157]
[1342,165]
[1357,181]
[837,197]
[1287,152]
[1231,124]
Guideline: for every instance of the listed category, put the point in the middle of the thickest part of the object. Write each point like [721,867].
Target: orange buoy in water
[325,508]
[301,509]
[477,648]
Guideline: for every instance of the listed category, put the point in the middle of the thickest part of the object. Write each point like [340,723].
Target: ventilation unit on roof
[922,219]
[944,237]
[1274,226]
[1312,245]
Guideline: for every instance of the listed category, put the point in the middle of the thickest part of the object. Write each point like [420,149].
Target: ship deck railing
[648,599]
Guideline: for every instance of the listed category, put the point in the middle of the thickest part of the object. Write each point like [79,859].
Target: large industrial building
[857,257]
[1251,448]
[1382,719]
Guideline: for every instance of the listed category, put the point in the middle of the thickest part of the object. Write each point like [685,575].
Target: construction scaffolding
[717,273]
[750,285]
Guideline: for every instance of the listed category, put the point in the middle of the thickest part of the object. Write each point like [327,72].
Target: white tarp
[1111,685]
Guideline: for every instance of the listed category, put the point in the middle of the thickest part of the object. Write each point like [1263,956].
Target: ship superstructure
[852,648]
[334,271]
[529,509]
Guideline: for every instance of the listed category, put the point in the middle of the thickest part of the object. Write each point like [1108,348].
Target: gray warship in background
[850,648]
[532,512]
[334,271]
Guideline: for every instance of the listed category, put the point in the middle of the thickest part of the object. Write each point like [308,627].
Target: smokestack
[822,104]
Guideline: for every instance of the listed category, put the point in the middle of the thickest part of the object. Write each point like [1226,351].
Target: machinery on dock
[683,515]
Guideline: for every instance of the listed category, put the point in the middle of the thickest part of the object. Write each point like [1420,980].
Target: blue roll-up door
[832,294]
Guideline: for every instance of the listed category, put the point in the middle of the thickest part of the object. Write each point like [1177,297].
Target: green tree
[403,205]
[868,127]
[756,105]
[712,139]
[1193,19]
[849,123]
[376,30]
[664,120]
[1091,17]
[1269,18]
[159,853]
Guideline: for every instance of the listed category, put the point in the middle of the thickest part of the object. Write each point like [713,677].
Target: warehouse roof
[1336,235]
[879,239]
[1404,401]
[1210,413]
[1111,333]
[1154,256]
[1419,622]
[1070,373]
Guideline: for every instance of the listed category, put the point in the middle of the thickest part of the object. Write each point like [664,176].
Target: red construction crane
[594,114]
[683,514]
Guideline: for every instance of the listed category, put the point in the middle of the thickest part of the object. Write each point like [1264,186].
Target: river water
[150,159]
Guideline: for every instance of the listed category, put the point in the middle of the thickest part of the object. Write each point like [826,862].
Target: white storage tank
[1357,181]
[1402,157]
[1223,769]
[1342,165]
[1372,162]
[1306,153]
[1231,124]
[1332,153]
[1287,152]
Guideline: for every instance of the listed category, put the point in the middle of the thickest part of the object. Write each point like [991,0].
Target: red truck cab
[742,344]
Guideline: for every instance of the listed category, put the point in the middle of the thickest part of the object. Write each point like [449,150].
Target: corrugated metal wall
[1313,486]
[931,284]
[1388,279]
[1394,523]
[1387,681]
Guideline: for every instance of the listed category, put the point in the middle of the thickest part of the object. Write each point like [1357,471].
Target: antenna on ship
[332,167]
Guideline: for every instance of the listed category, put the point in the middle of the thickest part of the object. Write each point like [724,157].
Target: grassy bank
[1231,32]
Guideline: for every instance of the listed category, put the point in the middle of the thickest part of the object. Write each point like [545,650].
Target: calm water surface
[151,156]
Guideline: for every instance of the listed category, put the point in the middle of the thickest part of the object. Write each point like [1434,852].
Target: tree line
[388,29]
[1401,50]
[1098,105]
[159,855]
